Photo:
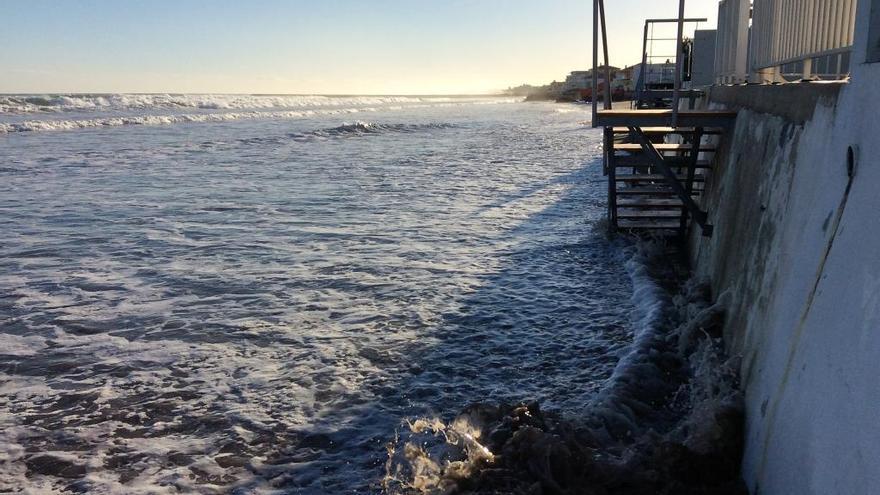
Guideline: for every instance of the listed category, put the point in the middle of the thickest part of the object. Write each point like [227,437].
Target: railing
[599,21]
[661,74]
[731,45]
[788,32]
[800,38]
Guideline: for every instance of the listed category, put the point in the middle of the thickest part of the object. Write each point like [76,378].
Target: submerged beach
[267,293]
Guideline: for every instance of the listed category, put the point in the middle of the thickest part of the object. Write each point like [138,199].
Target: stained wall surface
[795,200]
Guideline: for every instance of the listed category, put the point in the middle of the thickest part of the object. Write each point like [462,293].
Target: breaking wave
[361,128]
[669,420]
[355,128]
[322,106]
[73,124]
[84,102]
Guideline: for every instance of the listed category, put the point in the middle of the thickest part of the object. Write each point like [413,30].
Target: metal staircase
[656,160]
[654,186]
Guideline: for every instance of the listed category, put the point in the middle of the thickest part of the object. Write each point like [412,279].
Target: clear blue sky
[310,46]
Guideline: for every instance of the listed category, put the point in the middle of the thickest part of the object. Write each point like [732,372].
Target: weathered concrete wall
[796,251]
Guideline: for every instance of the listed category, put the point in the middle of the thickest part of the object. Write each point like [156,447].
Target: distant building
[579,79]
[578,84]
[583,79]
[623,81]
[626,72]
[656,76]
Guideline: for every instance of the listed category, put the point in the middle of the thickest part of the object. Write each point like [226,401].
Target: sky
[311,46]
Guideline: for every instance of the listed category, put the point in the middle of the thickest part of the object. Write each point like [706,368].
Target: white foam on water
[19,345]
[21,104]
[233,308]
[649,403]
[68,125]
[152,120]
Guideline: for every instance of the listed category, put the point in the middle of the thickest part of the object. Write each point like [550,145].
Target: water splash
[669,420]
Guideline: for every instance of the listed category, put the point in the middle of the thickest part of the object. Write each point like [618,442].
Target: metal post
[605,51]
[640,84]
[691,172]
[678,63]
[595,61]
[608,141]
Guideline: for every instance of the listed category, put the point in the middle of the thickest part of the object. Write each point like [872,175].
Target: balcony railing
[731,46]
[788,36]
[788,39]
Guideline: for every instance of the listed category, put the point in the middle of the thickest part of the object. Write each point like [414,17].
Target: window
[874,33]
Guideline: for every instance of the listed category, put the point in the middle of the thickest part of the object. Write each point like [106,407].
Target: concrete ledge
[794,102]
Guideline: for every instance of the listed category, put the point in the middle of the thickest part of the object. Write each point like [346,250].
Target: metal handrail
[599,21]
[676,72]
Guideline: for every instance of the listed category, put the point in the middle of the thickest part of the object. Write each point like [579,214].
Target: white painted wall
[811,364]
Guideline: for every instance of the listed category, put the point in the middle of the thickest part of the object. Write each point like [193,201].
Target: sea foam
[79,102]
[133,110]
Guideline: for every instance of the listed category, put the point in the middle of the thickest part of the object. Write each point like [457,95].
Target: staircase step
[664,192]
[649,215]
[641,161]
[650,204]
[654,178]
[648,225]
[637,148]
[668,130]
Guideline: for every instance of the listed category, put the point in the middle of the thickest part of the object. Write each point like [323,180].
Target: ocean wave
[347,129]
[355,129]
[72,124]
[23,104]
[54,124]
[362,128]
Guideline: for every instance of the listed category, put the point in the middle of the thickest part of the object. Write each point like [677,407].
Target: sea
[263,293]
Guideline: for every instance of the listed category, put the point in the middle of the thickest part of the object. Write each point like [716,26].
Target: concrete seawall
[795,200]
